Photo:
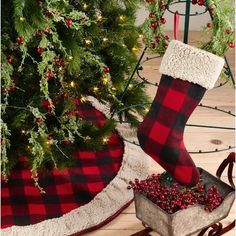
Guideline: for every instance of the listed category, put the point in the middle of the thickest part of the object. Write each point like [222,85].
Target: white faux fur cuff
[192,64]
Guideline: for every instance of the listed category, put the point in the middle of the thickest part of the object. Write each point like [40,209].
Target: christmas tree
[54,55]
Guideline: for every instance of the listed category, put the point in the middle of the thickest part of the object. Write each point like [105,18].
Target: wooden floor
[195,139]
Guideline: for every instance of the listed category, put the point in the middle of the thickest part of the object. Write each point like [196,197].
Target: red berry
[167,37]
[65,95]
[69,114]
[163,7]
[106,69]
[4,90]
[62,63]
[209,25]
[68,22]
[163,21]
[231,44]
[153,45]
[10,59]
[201,2]
[66,142]
[50,137]
[12,87]
[194,2]
[48,13]
[40,50]
[154,24]
[19,40]
[47,105]
[47,30]
[49,74]
[39,120]
[38,33]
[228,31]
[151,15]
[56,60]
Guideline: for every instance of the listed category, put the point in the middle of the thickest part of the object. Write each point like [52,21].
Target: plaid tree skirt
[73,196]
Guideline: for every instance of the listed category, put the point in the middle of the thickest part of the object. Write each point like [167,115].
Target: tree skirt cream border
[106,204]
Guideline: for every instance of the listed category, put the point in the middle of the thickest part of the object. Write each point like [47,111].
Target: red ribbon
[176,25]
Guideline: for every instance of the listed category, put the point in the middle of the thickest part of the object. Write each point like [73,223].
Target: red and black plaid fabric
[22,203]
[161,133]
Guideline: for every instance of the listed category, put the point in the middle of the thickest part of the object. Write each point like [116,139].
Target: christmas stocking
[187,72]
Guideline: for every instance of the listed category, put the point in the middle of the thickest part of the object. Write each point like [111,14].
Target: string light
[85,6]
[113,88]
[99,18]
[134,49]
[88,41]
[105,80]
[22,18]
[105,140]
[83,99]
[146,109]
[123,45]
[122,17]
[70,58]
[23,131]
[95,89]
[131,86]
[105,39]
[72,84]
[140,36]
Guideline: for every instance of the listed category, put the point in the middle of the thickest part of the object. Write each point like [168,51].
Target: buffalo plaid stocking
[187,72]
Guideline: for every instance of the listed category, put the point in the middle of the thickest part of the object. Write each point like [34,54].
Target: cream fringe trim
[192,64]
[135,165]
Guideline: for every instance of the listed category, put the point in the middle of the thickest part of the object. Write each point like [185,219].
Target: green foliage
[221,33]
[54,52]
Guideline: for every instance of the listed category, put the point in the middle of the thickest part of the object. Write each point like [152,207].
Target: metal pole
[186,23]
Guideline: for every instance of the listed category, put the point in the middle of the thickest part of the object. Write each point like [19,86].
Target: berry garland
[174,198]
[220,29]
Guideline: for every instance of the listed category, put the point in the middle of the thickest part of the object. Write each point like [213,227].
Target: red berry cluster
[174,198]
[212,199]
[199,2]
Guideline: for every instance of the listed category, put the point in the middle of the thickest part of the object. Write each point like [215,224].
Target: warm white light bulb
[72,84]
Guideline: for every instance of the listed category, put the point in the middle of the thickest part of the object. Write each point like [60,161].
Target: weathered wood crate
[187,221]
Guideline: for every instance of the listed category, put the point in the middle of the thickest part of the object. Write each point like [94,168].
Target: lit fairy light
[83,99]
[88,41]
[23,131]
[95,89]
[122,17]
[105,39]
[85,6]
[134,49]
[105,140]
[105,80]
[131,86]
[22,18]
[99,18]
[70,58]
[72,84]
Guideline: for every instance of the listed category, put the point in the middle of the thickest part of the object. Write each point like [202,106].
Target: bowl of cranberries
[172,209]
